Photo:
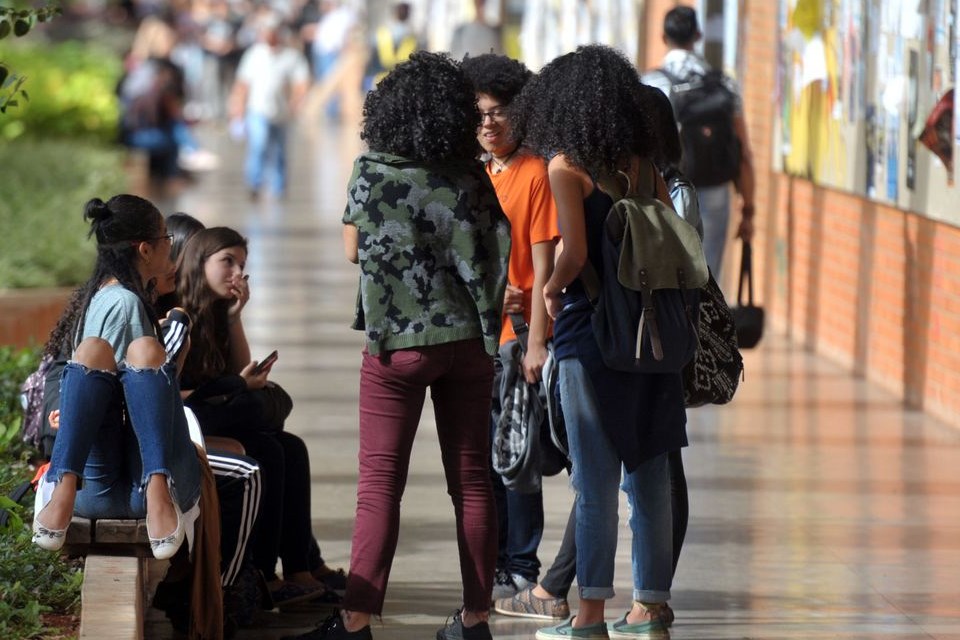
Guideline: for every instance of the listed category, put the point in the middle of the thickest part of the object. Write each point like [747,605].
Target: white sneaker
[506,586]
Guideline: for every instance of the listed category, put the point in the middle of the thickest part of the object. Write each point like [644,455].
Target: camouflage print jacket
[433,248]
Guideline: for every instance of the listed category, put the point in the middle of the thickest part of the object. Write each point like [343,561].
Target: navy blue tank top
[642,414]
[573,322]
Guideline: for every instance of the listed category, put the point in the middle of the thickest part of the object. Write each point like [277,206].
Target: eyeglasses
[168,236]
[497,114]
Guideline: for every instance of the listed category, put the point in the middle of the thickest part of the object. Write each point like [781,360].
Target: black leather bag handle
[746,275]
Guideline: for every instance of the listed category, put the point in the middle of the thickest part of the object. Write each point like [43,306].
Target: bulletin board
[864,95]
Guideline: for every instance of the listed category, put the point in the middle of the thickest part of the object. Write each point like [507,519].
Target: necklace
[500,164]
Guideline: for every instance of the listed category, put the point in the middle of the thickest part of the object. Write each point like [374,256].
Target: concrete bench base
[112,600]
[115,576]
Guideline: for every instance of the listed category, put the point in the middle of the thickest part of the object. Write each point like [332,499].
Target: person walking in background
[424,223]
[520,179]
[393,43]
[337,21]
[586,111]
[722,160]
[475,37]
[152,97]
[272,80]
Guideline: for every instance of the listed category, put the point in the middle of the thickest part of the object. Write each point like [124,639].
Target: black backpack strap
[687,307]
[590,280]
[521,328]
[16,496]
[669,76]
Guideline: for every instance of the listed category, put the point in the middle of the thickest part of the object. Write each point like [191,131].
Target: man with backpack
[713,133]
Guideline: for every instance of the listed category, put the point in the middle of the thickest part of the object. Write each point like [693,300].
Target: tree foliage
[18,22]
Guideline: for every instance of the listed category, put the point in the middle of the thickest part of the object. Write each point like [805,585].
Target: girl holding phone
[218,370]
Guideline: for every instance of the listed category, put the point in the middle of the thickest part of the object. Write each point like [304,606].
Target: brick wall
[27,316]
[872,287]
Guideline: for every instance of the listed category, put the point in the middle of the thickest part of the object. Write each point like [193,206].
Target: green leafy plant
[18,22]
[15,366]
[72,90]
[34,584]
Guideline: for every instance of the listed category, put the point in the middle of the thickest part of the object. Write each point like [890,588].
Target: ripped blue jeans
[118,429]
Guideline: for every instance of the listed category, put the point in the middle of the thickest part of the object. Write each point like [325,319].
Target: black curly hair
[670,151]
[424,110]
[119,225]
[498,76]
[588,105]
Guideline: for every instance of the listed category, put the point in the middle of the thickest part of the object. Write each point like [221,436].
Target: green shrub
[15,366]
[32,581]
[72,89]
[43,237]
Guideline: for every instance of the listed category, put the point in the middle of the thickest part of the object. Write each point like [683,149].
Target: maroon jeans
[392,391]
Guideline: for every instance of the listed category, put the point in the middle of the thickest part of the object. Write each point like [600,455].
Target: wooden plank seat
[107,536]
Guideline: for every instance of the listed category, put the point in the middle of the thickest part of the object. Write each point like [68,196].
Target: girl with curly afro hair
[424,224]
[589,115]
[424,110]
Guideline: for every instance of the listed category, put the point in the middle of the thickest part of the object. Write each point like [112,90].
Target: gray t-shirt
[270,74]
[116,315]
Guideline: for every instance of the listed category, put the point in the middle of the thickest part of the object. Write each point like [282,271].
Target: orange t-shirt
[523,189]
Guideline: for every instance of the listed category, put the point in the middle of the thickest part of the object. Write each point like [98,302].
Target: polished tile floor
[820,508]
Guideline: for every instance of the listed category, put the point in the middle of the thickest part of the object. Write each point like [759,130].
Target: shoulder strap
[521,329]
[669,76]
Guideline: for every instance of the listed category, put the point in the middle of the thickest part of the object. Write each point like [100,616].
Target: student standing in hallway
[586,111]
[520,179]
[424,224]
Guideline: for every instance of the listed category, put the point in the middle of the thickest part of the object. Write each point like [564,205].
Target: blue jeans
[114,458]
[266,154]
[715,213]
[597,471]
[519,515]
[520,522]
[323,63]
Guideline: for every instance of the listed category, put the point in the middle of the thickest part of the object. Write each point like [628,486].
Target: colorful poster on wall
[858,81]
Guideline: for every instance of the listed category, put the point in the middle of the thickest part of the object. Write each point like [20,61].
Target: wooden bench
[115,576]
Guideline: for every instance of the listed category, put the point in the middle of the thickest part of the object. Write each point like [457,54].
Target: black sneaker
[454,630]
[336,580]
[332,629]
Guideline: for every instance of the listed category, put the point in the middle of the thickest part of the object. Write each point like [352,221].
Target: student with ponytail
[122,448]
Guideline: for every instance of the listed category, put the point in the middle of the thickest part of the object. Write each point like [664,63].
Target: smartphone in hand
[265,363]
